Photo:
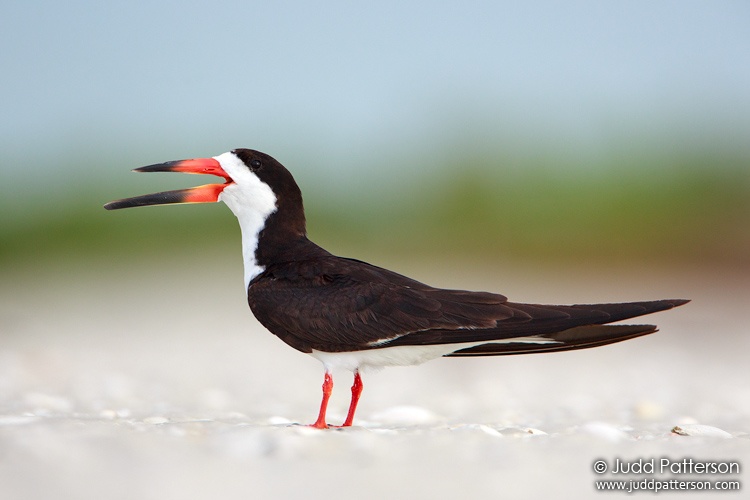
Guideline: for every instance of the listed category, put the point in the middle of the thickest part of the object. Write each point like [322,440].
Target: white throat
[252,201]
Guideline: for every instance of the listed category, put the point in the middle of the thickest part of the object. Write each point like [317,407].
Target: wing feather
[333,304]
[349,304]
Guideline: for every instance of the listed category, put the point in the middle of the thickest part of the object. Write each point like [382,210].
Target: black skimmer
[351,314]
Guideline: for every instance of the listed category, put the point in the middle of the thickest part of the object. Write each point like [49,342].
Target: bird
[353,315]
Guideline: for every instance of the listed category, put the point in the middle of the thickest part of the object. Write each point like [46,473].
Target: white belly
[405,355]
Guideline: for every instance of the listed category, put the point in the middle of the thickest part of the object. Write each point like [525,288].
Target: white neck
[251,201]
[250,228]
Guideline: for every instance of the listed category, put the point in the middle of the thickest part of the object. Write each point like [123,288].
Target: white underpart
[406,355]
[252,201]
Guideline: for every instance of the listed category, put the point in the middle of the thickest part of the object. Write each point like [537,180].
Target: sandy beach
[153,380]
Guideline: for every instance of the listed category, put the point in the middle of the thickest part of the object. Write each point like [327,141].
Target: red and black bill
[207,193]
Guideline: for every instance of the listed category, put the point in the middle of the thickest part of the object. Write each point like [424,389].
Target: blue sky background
[347,90]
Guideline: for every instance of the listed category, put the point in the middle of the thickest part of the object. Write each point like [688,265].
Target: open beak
[202,194]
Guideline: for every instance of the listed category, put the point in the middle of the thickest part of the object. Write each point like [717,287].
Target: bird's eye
[255,164]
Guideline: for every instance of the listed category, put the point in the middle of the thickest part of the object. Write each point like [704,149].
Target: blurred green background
[573,133]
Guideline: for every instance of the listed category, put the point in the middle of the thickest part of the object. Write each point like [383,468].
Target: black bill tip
[163,198]
[168,166]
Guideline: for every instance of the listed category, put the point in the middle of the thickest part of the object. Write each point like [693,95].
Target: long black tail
[580,337]
[565,328]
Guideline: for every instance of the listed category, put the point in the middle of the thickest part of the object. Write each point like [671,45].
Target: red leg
[356,391]
[327,388]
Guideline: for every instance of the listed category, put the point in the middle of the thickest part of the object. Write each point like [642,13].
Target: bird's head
[255,186]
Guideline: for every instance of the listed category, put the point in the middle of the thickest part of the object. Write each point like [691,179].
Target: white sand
[132,382]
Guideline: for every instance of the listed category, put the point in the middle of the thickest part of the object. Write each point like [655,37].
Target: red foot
[327,388]
[356,391]
[320,423]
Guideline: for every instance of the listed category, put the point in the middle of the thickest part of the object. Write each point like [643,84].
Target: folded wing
[335,305]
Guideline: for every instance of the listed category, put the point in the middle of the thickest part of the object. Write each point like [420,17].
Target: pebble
[405,415]
[155,420]
[17,419]
[279,421]
[108,414]
[476,427]
[700,430]
[604,431]
[534,432]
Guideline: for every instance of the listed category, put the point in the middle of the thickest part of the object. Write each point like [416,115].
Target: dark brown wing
[334,304]
[544,320]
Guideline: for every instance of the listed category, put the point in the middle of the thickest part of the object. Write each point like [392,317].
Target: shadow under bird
[351,314]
